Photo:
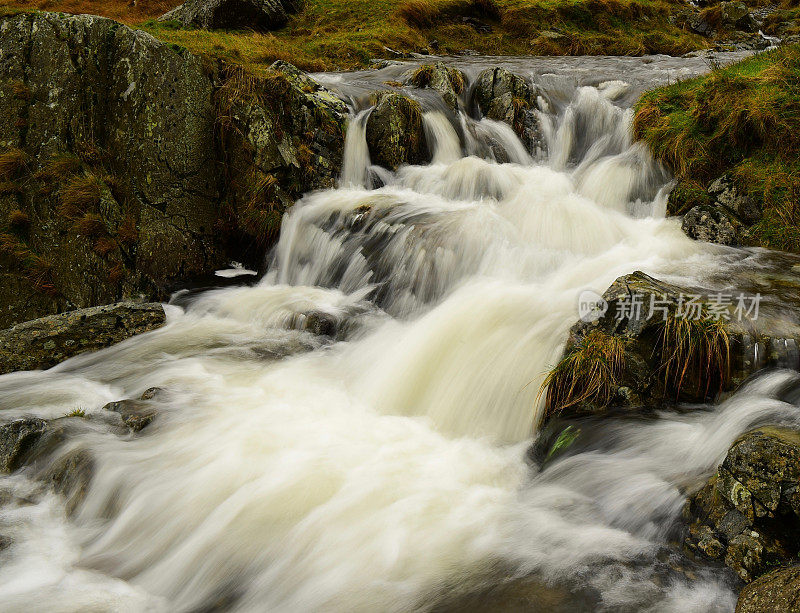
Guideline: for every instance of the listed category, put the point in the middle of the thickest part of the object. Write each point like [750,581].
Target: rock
[710,224]
[449,82]
[736,14]
[285,138]
[16,440]
[121,187]
[71,475]
[261,15]
[725,194]
[137,414]
[714,339]
[139,166]
[775,592]
[395,133]
[503,96]
[748,514]
[45,342]
[700,25]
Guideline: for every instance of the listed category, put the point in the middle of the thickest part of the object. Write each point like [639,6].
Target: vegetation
[743,119]
[76,413]
[342,34]
[590,372]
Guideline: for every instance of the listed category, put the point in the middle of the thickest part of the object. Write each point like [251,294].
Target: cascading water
[385,469]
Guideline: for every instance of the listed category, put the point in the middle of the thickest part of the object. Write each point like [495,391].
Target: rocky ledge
[45,342]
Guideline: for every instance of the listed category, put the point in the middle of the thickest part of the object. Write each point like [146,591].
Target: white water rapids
[385,469]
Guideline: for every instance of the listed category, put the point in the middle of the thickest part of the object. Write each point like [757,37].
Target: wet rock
[727,195]
[45,342]
[775,592]
[17,439]
[449,82]
[710,224]
[261,15]
[284,139]
[320,323]
[504,96]
[71,475]
[395,133]
[748,514]
[124,125]
[136,414]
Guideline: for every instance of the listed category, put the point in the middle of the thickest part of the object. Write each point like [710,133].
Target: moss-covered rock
[263,15]
[449,82]
[45,342]
[395,133]
[748,514]
[117,180]
[503,96]
[775,592]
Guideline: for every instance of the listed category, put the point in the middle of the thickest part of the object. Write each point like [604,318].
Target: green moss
[743,119]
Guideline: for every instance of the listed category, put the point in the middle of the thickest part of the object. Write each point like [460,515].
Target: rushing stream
[384,466]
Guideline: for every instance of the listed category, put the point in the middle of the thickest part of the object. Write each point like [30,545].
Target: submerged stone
[16,440]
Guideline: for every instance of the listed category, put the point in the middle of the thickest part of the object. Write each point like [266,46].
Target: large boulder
[45,342]
[775,592]
[129,166]
[503,96]
[449,82]
[115,189]
[395,132]
[748,514]
[262,15]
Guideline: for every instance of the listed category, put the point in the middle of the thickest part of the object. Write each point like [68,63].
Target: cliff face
[116,178]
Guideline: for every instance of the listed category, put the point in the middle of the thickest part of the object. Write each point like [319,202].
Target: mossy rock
[395,132]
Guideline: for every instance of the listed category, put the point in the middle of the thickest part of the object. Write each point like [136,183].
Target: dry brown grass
[12,161]
[19,221]
[428,13]
[79,196]
[590,372]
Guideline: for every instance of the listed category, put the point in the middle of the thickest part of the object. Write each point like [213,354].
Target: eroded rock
[710,224]
[395,133]
[449,82]
[45,342]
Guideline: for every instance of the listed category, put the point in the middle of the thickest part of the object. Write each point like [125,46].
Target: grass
[695,356]
[12,163]
[589,372]
[79,196]
[743,119]
[345,34]
[76,413]
[691,359]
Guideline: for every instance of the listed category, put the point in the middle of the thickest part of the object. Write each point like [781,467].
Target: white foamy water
[384,469]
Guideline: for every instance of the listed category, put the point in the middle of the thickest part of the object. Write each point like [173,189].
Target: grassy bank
[341,34]
[742,119]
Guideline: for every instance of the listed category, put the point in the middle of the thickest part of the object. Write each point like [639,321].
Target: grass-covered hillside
[742,119]
[329,34]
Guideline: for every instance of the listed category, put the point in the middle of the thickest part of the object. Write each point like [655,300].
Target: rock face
[775,592]
[45,342]
[395,133]
[503,96]
[748,514]
[122,162]
[262,15]
[449,82]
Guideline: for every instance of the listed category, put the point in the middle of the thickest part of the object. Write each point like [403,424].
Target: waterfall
[383,466]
